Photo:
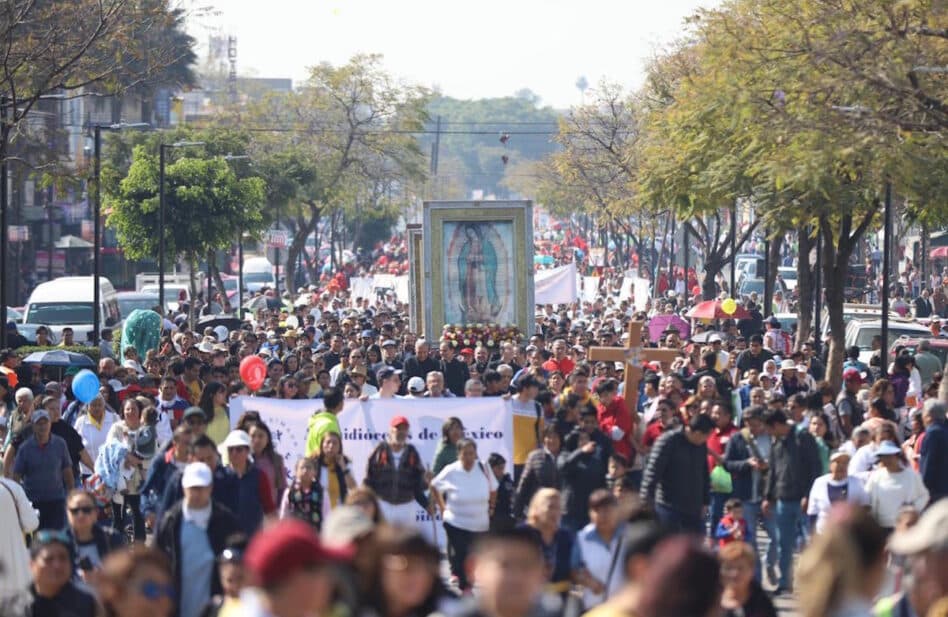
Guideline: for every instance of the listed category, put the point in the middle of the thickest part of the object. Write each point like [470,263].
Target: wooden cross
[633,357]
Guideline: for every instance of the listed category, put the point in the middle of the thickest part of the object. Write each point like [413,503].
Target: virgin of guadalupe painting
[478,286]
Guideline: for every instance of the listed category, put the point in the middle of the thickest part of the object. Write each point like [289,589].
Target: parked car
[750,285]
[67,301]
[128,301]
[938,345]
[789,276]
[860,333]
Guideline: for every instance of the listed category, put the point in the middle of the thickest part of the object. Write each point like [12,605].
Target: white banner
[366,286]
[488,421]
[555,286]
[642,293]
[590,288]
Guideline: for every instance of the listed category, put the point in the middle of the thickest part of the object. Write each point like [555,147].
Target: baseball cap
[236,439]
[386,372]
[930,532]
[715,338]
[194,411]
[38,415]
[835,456]
[388,343]
[283,549]
[196,474]
[368,334]
[344,525]
[416,384]
[852,374]
[398,421]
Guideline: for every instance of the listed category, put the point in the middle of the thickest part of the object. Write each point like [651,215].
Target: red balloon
[253,371]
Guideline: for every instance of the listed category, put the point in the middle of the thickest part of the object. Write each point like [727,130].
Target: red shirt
[652,432]
[564,366]
[717,443]
[617,414]
[725,537]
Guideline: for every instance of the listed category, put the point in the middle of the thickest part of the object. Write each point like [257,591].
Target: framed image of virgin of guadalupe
[479,257]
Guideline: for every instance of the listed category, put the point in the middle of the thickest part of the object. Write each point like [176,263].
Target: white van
[258,272]
[67,301]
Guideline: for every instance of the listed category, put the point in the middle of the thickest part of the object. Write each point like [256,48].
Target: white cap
[236,439]
[788,365]
[416,384]
[196,474]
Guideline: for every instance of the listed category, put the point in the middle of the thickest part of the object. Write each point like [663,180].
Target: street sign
[277,238]
[18,233]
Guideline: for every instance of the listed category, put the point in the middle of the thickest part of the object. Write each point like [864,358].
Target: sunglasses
[153,590]
[81,510]
[49,536]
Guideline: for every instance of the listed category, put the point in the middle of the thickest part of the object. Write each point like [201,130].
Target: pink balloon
[253,371]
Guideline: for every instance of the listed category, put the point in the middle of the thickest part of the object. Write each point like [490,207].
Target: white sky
[470,49]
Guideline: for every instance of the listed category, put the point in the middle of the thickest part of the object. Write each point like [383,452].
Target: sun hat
[788,365]
[887,448]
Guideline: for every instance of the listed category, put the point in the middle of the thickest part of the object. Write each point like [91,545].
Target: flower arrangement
[489,335]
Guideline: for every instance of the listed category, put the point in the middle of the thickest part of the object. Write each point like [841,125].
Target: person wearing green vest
[324,421]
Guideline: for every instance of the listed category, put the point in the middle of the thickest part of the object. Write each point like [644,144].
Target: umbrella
[212,321]
[59,357]
[711,309]
[72,242]
[702,337]
[660,323]
[939,252]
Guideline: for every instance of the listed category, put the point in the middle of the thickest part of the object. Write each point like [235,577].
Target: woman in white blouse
[465,490]
[892,485]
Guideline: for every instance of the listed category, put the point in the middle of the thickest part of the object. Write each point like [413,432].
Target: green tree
[770,109]
[350,133]
[206,206]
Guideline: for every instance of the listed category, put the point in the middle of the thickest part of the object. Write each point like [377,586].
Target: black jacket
[456,375]
[581,474]
[106,540]
[418,368]
[794,465]
[222,524]
[677,474]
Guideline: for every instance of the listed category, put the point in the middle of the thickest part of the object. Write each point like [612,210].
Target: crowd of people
[152,499]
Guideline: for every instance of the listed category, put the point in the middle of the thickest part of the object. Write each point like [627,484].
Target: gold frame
[416,277]
[436,214]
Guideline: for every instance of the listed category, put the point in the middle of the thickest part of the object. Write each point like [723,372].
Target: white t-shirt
[819,503]
[466,495]
[888,492]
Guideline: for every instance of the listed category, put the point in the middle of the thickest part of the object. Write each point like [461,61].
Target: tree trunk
[709,287]
[192,279]
[836,254]
[804,287]
[773,262]
[225,301]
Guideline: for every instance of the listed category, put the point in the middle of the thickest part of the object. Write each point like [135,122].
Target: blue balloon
[85,385]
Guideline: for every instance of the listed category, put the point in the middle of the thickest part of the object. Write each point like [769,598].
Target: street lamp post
[240,250]
[97,217]
[886,273]
[162,148]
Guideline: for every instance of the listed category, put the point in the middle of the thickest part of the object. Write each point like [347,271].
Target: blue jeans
[788,518]
[753,516]
[679,522]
